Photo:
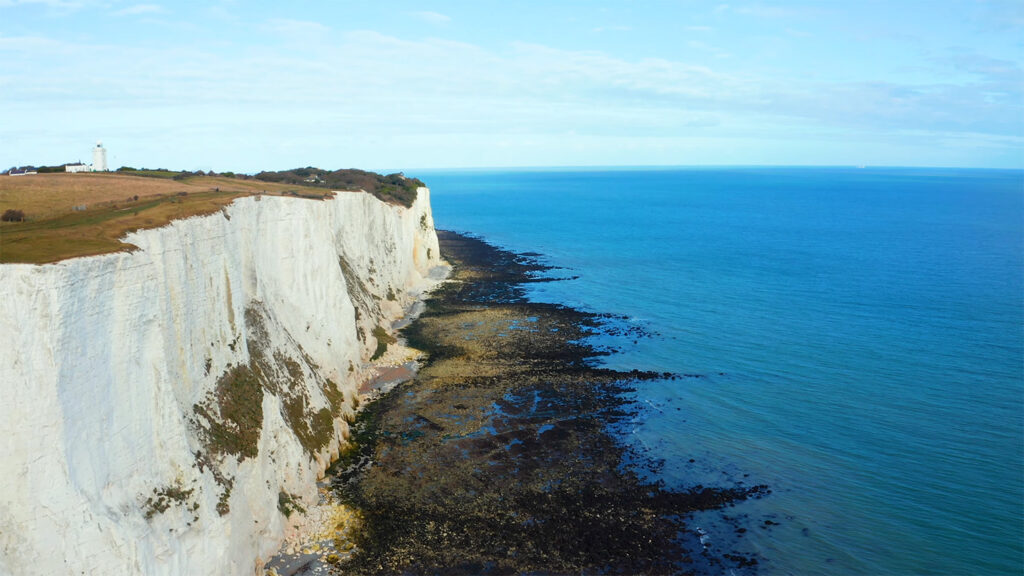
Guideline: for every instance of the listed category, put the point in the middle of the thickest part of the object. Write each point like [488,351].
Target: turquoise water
[861,332]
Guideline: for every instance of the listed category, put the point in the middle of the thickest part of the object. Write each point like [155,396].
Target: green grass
[149,173]
[115,204]
[99,229]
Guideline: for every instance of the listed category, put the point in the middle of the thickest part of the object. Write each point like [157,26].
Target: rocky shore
[498,457]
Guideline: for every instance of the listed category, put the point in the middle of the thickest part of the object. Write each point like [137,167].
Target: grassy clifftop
[70,215]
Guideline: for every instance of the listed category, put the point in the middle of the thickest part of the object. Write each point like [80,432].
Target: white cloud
[297,30]
[358,72]
[366,84]
[54,6]
[775,12]
[29,44]
[140,9]
[435,18]
[707,48]
[50,3]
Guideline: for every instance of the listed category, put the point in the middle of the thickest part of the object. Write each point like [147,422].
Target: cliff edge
[163,411]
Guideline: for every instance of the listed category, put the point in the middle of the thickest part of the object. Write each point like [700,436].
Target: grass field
[115,204]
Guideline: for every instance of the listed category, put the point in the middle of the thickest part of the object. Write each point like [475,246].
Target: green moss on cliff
[163,498]
[383,341]
[231,419]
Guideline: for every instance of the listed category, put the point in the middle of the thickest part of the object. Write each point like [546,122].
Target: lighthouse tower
[99,158]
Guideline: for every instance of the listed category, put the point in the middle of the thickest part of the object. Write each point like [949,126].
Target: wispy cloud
[434,18]
[49,3]
[776,12]
[536,82]
[140,10]
[707,48]
[300,30]
[58,7]
[989,70]
[334,82]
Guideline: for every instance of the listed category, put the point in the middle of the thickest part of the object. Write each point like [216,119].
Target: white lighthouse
[99,158]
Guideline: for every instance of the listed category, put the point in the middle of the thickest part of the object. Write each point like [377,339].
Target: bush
[12,215]
[394,188]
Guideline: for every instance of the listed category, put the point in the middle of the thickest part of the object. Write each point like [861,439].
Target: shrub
[394,188]
[12,215]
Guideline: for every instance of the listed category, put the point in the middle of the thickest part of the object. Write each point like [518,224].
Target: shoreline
[311,545]
[499,455]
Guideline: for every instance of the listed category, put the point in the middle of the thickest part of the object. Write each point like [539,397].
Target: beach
[499,456]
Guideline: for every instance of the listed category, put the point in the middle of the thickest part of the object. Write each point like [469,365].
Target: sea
[858,334]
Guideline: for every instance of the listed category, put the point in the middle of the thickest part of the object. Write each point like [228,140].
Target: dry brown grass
[54,231]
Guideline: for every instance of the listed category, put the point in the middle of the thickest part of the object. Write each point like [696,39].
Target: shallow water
[500,456]
[860,332]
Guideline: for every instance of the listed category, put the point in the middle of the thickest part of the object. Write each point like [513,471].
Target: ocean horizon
[857,337]
[455,170]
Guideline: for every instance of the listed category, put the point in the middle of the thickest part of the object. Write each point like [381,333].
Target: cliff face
[160,408]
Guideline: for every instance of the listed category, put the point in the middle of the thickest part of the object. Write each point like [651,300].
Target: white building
[76,167]
[99,158]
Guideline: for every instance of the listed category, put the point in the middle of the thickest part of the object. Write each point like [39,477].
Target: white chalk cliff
[159,408]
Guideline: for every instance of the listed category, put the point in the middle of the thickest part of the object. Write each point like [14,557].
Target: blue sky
[245,86]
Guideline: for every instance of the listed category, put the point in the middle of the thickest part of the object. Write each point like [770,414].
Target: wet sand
[499,457]
[386,378]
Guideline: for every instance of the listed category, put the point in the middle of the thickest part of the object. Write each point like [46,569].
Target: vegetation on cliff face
[383,341]
[393,188]
[230,418]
